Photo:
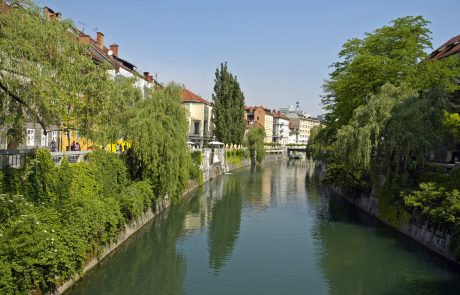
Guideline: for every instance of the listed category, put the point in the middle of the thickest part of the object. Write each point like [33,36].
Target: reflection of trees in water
[225,224]
[360,256]
[148,262]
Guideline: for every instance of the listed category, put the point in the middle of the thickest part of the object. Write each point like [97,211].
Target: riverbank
[134,226]
[416,229]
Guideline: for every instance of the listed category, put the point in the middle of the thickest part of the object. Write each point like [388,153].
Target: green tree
[157,130]
[255,143]
[391,54]
[46,74]
[228,107]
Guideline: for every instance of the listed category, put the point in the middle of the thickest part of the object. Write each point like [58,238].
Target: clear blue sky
[280,50]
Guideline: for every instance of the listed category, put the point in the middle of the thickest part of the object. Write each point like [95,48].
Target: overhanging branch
[24,104]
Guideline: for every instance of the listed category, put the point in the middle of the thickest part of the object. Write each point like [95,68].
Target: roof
[449,48]
[280,115]
[188,96]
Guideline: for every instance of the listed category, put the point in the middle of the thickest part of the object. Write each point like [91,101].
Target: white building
[280,128]
[300,127]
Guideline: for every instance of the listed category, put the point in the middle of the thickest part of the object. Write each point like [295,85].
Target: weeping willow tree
[381,100]
[46,75]
[415,129]
[255,143]
[360,139]
[157,130]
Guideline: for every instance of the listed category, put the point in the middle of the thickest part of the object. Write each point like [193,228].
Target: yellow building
[199,114]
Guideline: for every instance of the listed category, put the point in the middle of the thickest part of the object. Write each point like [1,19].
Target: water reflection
[359,255]
[225,224]
[271,229]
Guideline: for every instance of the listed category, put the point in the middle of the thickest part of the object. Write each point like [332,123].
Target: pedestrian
[77,146]
[72,146]
[53,146]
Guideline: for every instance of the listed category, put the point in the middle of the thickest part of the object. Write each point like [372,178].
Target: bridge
[297,149]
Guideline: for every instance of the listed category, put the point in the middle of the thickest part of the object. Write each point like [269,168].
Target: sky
[279,50]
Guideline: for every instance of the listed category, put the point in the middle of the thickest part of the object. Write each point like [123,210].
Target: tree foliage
[388,110]
[255,143]
[157,130]
[46,74]
[228,107]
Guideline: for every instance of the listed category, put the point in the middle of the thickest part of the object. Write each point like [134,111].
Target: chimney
[48,12]
[84,39]
[100,39]
[114,48]
[147,77]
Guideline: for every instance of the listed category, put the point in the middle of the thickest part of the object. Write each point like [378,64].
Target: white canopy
[216,143]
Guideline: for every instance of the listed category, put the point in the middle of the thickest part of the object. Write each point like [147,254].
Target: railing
[15,160]
[72,156]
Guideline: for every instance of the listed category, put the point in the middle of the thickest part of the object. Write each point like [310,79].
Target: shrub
[39,176]
[136,199]
[197,157]
[111,172]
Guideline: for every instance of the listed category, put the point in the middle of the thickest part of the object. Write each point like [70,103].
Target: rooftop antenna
[83,25]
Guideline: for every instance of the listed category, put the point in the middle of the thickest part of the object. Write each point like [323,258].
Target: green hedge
[54,219]
[136,199]
[236,156]
[197,157]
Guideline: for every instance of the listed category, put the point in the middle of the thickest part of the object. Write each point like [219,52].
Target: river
[269,230]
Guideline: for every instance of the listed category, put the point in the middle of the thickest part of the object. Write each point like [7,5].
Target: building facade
[280,128]
[261,117]
[199,115]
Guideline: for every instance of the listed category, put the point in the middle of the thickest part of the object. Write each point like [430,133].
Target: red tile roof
[449,48]
[188,96]
[280,115]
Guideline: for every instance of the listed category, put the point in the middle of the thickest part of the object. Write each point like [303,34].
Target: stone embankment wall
[417,229]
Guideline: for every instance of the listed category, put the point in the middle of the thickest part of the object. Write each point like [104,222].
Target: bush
[196,173]
[12,182]
[236,156]
[136,199]
[197,157]
[111,171]
[39,176]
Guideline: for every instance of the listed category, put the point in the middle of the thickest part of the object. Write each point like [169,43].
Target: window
[54,136]
[197,127]
[44,141]
[30,137]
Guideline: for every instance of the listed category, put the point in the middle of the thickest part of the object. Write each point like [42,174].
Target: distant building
[280,128]
[263,117]
[199,114]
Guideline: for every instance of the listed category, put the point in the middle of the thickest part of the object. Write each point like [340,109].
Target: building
[199,115]
[280,128]
[450,48]
[262,117]
[60,137]
[300,126]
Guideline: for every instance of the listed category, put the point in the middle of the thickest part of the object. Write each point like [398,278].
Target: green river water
[269,230]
